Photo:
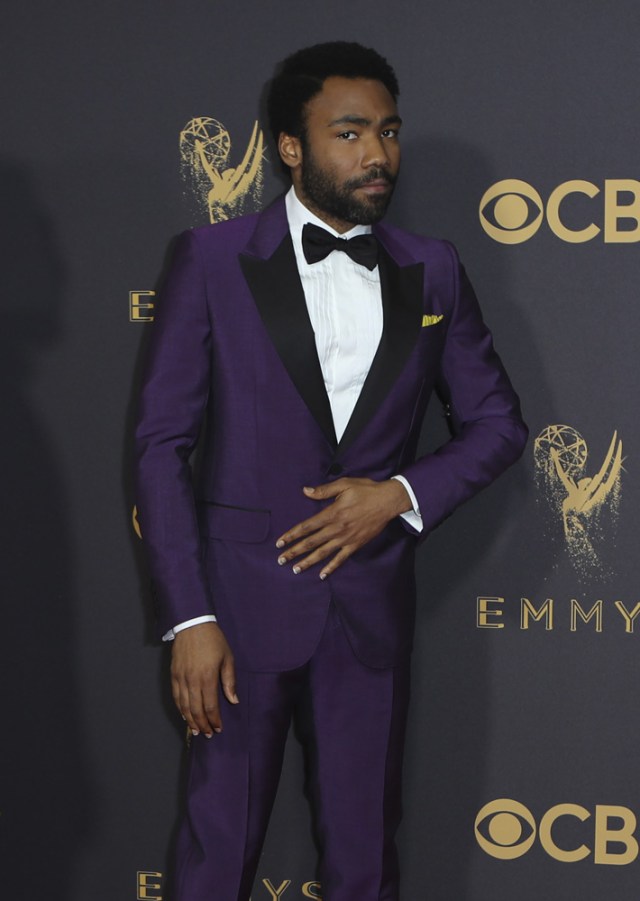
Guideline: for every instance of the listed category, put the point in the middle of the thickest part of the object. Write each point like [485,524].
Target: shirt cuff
[171,634]
[411,517]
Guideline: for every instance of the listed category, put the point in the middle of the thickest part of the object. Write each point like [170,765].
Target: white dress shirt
[344,301]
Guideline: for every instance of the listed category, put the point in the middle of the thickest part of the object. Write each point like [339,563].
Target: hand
[201,659]
[360,511]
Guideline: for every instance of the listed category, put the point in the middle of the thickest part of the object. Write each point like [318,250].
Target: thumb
[228,680]
[321,492]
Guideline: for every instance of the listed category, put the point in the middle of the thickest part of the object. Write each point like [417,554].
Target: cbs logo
[511,211]
[506,829]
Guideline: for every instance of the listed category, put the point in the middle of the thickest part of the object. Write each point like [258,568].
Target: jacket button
[335,469]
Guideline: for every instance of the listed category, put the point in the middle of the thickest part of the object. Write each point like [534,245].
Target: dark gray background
[96,97]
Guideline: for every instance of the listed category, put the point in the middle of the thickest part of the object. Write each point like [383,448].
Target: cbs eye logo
[505,829]
[512,211]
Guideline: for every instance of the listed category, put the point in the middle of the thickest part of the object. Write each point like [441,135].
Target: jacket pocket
[235,523]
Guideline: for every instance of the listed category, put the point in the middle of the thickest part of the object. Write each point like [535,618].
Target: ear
[290,150]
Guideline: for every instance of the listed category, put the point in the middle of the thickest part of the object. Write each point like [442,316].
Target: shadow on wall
[44,795]
[485,546]
[152,637]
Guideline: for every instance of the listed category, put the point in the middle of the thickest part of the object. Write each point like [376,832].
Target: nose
[376,153]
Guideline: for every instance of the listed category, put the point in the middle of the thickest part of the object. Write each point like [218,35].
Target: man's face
[350,153]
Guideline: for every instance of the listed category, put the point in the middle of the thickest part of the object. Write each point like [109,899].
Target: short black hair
[301,76]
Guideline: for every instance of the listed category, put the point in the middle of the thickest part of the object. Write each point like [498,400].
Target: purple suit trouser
[354,719]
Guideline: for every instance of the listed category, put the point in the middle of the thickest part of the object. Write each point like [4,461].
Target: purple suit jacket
[233,357]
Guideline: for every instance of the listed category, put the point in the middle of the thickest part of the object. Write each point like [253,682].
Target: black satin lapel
[277,291]
[402,289]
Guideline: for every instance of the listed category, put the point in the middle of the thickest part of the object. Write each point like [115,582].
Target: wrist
[399,501]
[192,633]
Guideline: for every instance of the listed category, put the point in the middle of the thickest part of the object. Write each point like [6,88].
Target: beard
[338,200]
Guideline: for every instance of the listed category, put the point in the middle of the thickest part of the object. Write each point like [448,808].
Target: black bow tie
[318,243]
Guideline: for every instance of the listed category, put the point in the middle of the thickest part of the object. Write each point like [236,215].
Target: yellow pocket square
[431,320]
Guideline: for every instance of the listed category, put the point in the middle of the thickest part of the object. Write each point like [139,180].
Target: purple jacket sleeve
[489,432]
[173,400]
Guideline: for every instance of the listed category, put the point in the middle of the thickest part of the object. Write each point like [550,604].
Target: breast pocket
[433,328]
[432,338]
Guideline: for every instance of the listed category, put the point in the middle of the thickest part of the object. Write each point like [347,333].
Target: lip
[380,186]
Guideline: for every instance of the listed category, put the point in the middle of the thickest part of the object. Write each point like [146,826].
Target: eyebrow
[359,120]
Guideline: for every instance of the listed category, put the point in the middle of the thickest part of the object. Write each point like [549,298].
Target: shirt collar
[298,215]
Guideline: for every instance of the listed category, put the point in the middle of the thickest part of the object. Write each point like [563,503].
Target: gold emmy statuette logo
[223,191]
[560,455]
[136,524]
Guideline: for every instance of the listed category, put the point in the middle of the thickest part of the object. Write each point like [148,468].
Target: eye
[505,829]
[347,136]
[391,133]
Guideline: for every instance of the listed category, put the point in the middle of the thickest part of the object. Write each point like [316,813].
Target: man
[286,575]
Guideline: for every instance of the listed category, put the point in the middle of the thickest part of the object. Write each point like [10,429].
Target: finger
[197,706]
[175,692]
[228,680]
[328,489]
[307,545]
[337,561]
[211,709]
[304,528]
[317,556]
[184,706]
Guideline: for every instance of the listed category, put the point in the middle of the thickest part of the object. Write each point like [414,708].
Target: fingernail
[282,561]
[296,570]
[280,543]
[235,699]
[323,576]
[218,730]
[195,732]
[208,735]
[308,490]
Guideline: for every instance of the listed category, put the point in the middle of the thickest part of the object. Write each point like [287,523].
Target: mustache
[372,175]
